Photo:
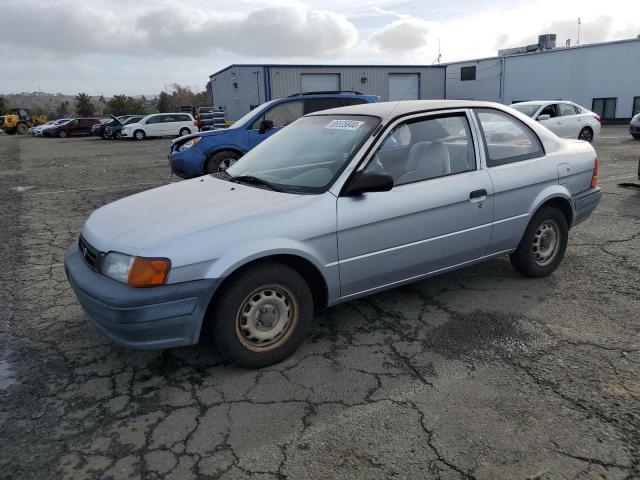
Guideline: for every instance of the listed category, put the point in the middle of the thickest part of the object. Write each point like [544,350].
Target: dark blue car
[215,150]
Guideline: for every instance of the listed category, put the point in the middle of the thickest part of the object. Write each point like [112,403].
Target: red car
[74,127]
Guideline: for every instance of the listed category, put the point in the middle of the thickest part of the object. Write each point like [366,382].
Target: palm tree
[84,105]
[119,105]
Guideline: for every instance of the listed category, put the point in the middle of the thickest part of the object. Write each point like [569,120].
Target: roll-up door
[404,86]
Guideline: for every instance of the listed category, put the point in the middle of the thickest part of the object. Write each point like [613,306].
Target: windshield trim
[306,190]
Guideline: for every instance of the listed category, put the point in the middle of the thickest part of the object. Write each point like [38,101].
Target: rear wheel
[261,316]
[63,134]
[21,129]
[586,134]
[221,161]
[543,245]
[184,131]
[139,135]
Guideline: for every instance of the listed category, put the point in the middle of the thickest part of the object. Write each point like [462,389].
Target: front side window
[551,110]
[152,120]
[506,139]
[282,114]
[423,149]
[308,155]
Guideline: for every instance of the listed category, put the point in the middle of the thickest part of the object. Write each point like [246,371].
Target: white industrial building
[604,77]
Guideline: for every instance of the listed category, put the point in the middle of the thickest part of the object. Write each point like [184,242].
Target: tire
[118,135]
[184,131]
[543,245]
[261,294]
[63,134]
[586,134]
[221,161]
[139,135]
[21,129]
[636,136]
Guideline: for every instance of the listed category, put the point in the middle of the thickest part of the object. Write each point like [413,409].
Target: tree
[119,105]
[63,109]
[136,107]
[84,105]
[3,105]
[164,102]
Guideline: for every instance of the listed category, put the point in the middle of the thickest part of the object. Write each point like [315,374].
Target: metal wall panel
[577,74]
[486,86]
[319,82]
[237,100]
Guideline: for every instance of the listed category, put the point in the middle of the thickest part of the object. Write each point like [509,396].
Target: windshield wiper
[250,179]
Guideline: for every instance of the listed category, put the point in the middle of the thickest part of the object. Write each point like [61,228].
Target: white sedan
[565,119]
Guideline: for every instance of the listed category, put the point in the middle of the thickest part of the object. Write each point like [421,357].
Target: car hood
[207,133]
[141,224]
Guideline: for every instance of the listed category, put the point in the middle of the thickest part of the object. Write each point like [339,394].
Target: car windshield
[307,155]
[242,121]
[529,110]
[131,120]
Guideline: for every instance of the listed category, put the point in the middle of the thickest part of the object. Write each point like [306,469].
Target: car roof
[541,102]
[385,109]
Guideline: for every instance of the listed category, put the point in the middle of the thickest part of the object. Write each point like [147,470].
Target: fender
[549,193]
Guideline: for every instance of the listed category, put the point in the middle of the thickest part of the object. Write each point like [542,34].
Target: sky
[139,47]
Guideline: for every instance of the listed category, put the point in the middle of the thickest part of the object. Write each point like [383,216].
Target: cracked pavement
[476,374]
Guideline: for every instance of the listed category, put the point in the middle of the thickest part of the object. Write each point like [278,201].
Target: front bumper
[141,318]
[634,128]
[584,203]
[187,164]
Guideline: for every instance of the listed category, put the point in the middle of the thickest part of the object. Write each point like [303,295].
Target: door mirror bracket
[363,182]
[265,125]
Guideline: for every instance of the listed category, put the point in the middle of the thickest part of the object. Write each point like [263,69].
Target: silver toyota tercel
[339,204]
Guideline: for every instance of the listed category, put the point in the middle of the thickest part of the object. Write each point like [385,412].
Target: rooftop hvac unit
[547,41]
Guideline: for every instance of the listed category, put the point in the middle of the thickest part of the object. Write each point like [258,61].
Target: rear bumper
[584,203]
[141,318]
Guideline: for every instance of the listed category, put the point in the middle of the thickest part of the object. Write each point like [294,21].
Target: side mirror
[368,182]
[546,116]
[265,125]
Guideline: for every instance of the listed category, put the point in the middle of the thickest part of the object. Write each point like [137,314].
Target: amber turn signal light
[594,176]
[148,272]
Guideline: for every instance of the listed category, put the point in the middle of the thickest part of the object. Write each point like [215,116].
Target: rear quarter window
[506,139]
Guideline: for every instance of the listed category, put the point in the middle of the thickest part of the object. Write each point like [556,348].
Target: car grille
[91,256]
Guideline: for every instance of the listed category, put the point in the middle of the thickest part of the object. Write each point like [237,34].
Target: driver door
[555,122]
[281,115]
[438,214]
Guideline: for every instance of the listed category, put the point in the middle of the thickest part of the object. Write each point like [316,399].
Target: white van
[161,125]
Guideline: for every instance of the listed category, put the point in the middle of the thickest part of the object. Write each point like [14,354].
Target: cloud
[401,36]
[267,32]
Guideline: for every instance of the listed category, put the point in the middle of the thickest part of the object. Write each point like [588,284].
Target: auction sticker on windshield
[345,124]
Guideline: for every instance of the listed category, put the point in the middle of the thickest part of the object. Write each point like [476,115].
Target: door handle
[478,194]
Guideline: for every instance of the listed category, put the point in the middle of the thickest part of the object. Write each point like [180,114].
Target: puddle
[7,374]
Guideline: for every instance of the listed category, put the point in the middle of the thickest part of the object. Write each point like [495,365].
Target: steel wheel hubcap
[266,318]
[546,242]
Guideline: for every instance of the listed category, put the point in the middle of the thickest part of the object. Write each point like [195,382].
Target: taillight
[594,176]
[597,117]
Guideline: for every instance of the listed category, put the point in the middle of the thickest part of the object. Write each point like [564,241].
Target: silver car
[340,204]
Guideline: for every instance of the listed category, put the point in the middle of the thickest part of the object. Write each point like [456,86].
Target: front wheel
[184,131]
[221,161]
[139,135]
[63,134]
[543,245]
[586,134]
[261,316]
[118,135]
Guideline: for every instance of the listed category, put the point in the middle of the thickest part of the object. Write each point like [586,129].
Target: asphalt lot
[479,373]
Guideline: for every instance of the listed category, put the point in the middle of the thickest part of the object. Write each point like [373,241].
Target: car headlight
[136,271]
[188,144]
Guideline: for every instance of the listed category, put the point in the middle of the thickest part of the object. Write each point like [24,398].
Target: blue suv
[215,150]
